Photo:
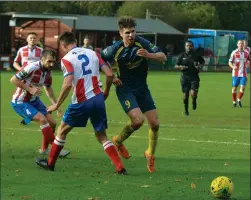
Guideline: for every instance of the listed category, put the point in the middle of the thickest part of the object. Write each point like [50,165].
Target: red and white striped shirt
[32,74]
[84,64]
[240,59]
[27,55]
[248,49]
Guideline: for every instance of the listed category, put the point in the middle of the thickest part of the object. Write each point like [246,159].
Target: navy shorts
[77,115]
[141,98]
[28,110]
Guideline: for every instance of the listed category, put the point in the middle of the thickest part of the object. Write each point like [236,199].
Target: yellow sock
[153,139]
[125,133]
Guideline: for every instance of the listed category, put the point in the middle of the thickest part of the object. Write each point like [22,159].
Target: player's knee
[137,123]
[234,90]
[155,127]
[43,120]
[242,89]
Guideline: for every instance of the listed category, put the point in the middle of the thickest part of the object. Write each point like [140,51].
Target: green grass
[213,141]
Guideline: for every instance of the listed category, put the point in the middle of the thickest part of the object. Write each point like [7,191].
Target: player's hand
[36,91]
[117,82]
[106,93]
[235,67]
[182,67]
[52,108]
[59,112]
[143,53]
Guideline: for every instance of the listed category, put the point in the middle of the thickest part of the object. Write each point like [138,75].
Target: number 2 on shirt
[84,63]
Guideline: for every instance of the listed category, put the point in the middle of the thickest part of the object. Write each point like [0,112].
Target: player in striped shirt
[27,54]
[239,61]
[26,101]
[80,68]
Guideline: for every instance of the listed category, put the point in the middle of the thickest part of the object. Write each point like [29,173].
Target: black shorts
[189,83]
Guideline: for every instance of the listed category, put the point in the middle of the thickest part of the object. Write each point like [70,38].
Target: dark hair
[189,41]
[67,38]
[126,22]
[48,52]
[31,33]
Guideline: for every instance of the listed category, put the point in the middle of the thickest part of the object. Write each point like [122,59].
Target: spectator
[87,43]
[200,50]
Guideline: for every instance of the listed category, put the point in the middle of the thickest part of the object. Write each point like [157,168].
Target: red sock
[234,97]
[113,155]
[48,135]
[240,95]
[56,147]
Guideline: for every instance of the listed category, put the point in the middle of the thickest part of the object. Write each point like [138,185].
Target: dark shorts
[141,98]
[78,114]
[28,110]
[189,83]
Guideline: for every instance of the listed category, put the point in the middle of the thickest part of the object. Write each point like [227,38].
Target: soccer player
[80,68]
[26,101]
[246,48]
[27,54]
[130,56]
[189,63]
[239,61]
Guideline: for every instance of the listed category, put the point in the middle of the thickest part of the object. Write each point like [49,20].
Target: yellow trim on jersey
[116,59]
[139,45]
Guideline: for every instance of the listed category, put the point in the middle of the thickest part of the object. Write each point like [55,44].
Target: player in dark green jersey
[130,56]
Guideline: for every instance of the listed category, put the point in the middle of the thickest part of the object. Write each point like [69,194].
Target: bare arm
[32,90]
[66,88]
[159,56]
[109,79]
[231,65]
[17,66]
[50,94]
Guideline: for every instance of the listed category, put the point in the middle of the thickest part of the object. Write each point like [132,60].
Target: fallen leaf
[105,182]
[26,197]
[177,180]
[193,186]
[145,186]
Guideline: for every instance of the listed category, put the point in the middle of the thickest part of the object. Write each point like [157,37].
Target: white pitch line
[140,137]
[167,125]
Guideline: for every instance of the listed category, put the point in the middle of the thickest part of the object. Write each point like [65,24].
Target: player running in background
[239,61]
[248,49]
[26,101]
[130,56]
[28,54]
[189,63]
[80,68]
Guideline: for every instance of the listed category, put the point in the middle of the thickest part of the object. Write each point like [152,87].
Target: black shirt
[190,60]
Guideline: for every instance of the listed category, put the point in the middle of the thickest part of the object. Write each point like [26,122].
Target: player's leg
[130,106]
[98,119]
[57,146]
[29,113]
[235,84]
[243,82]
[195,84]
[38,104]
[148,107]
[64,152]
[185,87]
[76,115]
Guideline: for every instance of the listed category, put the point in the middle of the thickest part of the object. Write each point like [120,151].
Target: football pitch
[213,141]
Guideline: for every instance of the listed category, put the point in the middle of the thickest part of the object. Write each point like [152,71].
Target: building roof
[102,23]
[86,22]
